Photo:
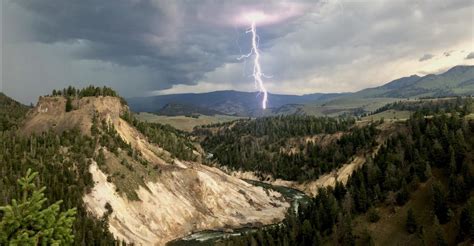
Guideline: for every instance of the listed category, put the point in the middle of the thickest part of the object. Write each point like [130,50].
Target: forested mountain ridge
[11,112]
[457,81]
[417,189]
[122,174]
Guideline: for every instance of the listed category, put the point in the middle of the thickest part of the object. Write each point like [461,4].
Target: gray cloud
[176,42]
[146,45]
[426,57]
[470,56]
[132,33]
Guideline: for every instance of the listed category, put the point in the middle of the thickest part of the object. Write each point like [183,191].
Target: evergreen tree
[68,104]
[372,215]
[411,225]
[440,238]
[427,172]
[466,221]
[440,206]
[26,222]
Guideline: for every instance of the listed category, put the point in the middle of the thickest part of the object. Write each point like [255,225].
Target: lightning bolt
[257,69]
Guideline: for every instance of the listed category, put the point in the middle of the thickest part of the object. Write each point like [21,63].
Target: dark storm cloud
[131,33]
[179,41]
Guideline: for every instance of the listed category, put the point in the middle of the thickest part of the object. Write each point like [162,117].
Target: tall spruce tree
[411,224]
[68,104]
[26,222]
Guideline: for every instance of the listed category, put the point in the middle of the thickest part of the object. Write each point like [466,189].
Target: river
[207,238]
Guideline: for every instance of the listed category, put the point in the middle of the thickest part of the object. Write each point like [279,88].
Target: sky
[152,47]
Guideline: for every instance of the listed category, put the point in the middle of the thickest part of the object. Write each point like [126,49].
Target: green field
[185,123]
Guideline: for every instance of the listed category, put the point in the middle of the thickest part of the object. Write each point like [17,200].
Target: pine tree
[26,222]
[372,215]
[439,234]
[427,172]
[411,224]
[466,220]
[440,206]
[68,104]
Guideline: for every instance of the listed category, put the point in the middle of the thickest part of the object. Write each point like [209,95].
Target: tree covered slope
[457,81]
[11,112]
[416,190]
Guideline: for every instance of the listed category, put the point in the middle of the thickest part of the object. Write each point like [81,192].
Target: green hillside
[11,112]
[457,81]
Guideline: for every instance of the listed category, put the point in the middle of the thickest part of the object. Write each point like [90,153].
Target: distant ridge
[454,82]
[457,81]
[226,102]
[175,109]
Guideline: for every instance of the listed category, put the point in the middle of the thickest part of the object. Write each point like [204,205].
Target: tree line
[462,105]
[89,91]
[72,92]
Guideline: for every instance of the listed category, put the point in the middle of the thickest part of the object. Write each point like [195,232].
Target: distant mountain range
[457,81]
[225,102]
[174,109]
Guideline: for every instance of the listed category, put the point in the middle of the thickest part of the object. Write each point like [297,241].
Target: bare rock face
[50,114]
[174,198]
[182,201]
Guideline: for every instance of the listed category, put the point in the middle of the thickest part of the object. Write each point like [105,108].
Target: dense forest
[464,105]
[11,112]
[438,151]
[272,145]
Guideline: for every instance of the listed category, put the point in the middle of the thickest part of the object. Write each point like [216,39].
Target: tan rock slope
[175,197]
